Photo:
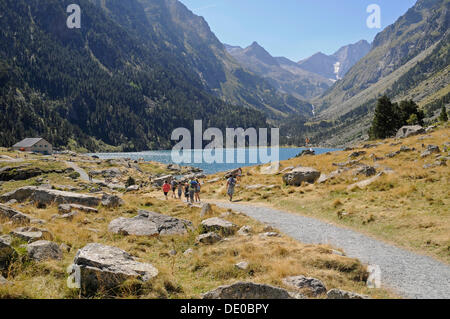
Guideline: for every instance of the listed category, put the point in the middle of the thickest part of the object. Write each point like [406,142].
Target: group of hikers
[191,189]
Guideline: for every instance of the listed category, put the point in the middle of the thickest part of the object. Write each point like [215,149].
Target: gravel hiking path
[83,175]
[408,274]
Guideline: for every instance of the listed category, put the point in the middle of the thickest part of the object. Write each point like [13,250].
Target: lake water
[211,168]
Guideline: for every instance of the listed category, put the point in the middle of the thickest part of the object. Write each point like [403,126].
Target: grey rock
[214,180]
[209,238]
[409,130]
[43,250]
[188,252]
[160,180]
[69,216]
[112,201]
[206,210]
[220,225]
[132,188]
[31,234]
[97,266]
[243,265]
[248,290]
[245,231]
[366,171]
[149,224]
[365,183]
[270,234]
[316,286]
[49,196]
[357,154]
[342,294]
[67,208]
[300,175]
[65,248]
[13,215]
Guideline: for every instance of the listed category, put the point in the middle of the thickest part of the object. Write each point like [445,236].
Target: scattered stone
[316,286]
[37,221]
[270,234]
[209,238]
[366,171]
[299,175]
[43,250]
[69,216]
[245,231]
[158,182]
[67,208]
[393,154]
[347,164]
[220,225]
[431,149]
[112,201]
[243,265]
[132,188]
[306,153]
[357,154]
[407,149]
[49,196]
[214,180]
[365,183]
[149,224]
[342,294]
[172,252]
[247,290]
[411,130]
[99,267]
[337,252]
[31,234]
[65,248]
[188,252]
[13,215]
[206,210]
[375,158]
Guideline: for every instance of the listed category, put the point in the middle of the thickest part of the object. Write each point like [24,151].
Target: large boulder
[300,175]
[301,282]
[99,267]
[247,290]
[43,250]
[366,171]
[363,184]
[149,224]
[431,149]
[208,239]
[31,234]
[49,196]
[13,215]
[8,173]
[112,201]
[7,252]
[67,208]
[159,181]
[342,294]
[410,130]
[220,225]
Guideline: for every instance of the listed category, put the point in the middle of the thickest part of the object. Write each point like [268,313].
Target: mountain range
[137,69]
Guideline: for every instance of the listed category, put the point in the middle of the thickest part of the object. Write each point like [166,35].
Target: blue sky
[295,29]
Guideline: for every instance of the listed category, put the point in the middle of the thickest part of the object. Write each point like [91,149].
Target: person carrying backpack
[231,182]
[174,183]
[197,191]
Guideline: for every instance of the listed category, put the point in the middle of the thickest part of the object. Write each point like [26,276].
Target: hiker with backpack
[197,191]
[231,183]
[174,183]
[192,189]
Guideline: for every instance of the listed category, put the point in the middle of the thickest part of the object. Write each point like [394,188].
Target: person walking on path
[197,191]
[231,182]
[186,192]
[90,176]
[174,183]
[166,189]
[180,190]
[192,189]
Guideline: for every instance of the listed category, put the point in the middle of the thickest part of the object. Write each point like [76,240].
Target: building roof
[28,142]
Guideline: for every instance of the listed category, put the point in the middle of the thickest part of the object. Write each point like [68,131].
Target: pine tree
[386,120]
[443,117]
